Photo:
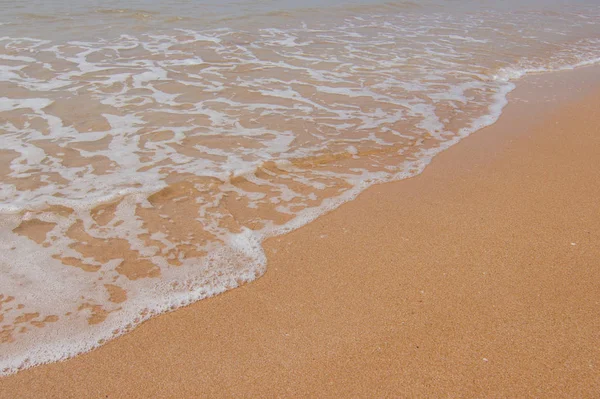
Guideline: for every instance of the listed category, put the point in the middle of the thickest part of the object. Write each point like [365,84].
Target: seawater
[147,148]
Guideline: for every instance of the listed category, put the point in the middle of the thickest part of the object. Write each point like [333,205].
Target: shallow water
[148,147]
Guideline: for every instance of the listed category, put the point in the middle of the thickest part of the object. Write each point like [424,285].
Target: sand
[478,278]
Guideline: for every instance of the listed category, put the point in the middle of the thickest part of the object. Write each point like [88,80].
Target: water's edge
[48,354]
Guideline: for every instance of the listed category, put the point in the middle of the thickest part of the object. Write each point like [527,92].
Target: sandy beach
[478,278]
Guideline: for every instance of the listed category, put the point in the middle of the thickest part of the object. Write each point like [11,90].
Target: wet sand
[478,278]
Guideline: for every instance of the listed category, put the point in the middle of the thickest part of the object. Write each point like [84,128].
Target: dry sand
[478,278]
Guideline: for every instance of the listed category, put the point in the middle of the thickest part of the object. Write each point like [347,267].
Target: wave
[141,173]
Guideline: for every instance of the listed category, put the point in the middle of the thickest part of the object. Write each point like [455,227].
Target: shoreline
[317,315]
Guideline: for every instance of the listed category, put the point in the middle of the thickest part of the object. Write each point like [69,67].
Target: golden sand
[478,278]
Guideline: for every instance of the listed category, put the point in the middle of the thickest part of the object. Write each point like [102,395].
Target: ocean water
[147,148]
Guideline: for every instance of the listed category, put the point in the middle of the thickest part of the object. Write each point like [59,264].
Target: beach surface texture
[479,277]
